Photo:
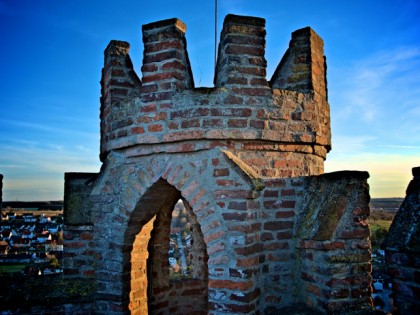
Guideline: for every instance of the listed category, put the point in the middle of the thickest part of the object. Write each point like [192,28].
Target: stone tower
[246,158]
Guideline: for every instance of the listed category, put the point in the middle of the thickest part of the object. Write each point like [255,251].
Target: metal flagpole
[215,34]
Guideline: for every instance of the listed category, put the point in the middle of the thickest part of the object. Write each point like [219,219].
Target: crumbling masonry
[402,250]
[246,157]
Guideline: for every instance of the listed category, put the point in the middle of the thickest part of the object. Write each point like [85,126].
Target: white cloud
[51,129]
[408,147]
[379,86]
[11,166]
[83,148]
[350,144]
[375,114]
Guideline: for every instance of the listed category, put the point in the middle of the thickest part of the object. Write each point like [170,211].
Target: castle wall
[246,157]
[78,256]
[402,250]
[270,243]
[334,246]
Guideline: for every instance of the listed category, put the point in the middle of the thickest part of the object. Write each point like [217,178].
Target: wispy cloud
[11,166]
[29,125]
[83,148]
[24,142]
[54,129]
[37,172]
[351,144]
[385,78]
[409,147]
[55,159]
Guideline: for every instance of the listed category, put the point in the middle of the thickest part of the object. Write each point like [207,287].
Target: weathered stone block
[77,188]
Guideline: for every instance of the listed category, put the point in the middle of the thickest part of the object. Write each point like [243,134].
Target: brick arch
[215,186]
[118,218]
[150,289]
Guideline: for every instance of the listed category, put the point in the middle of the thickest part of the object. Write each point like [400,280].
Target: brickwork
[402,250]
[246,157]
[241,107]
[334,249]
[79,256]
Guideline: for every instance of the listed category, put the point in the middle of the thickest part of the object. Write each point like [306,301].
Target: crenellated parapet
[303,67]
[164,112]
[241,63]
[119,82]
[269,231]
[166,67]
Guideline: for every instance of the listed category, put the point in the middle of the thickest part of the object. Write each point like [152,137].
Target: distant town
[31,238]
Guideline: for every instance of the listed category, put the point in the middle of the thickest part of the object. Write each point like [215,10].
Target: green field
[375,224]
[12,268]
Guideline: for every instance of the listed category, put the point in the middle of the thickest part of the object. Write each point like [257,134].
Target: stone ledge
[247,20]
[346,174]
[164,23]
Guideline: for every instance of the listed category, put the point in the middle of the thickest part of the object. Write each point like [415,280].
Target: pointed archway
[152,288]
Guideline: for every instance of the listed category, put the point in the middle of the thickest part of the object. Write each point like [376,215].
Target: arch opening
[169,271]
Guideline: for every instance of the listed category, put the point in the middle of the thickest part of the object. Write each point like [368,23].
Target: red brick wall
[269,243]
[78,237]
[79,255]
[247,158]
[170,112]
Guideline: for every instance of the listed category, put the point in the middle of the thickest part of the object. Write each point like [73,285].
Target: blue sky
[52,53]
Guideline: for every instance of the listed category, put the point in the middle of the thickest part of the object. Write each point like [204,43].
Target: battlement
[245,158]
[165,112]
